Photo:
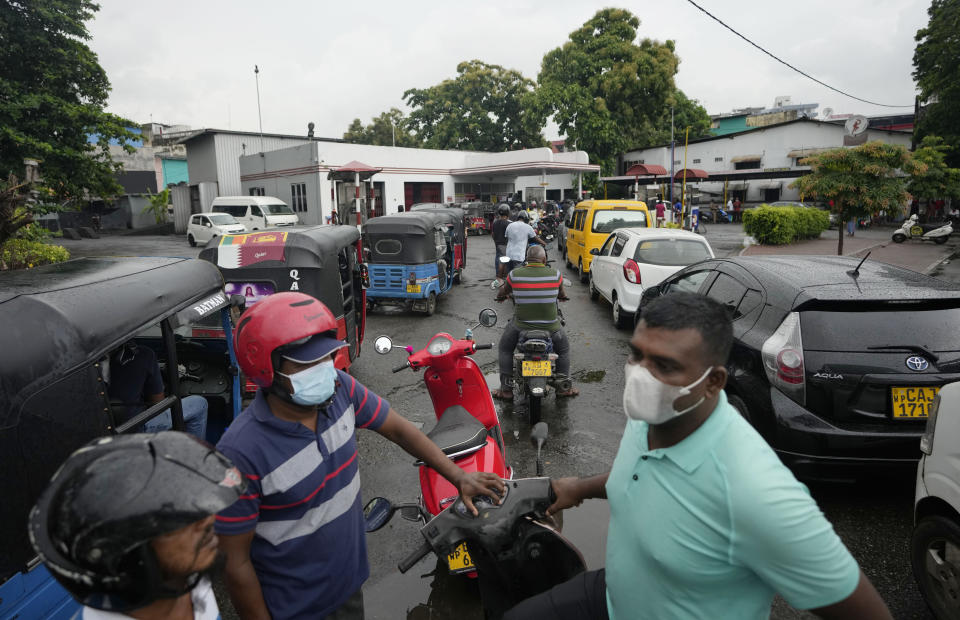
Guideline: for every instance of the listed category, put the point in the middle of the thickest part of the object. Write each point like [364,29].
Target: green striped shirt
[535,290]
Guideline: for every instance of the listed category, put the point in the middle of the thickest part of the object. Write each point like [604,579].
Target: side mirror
[595,251]
[383,345]
[377,513]
[488,317]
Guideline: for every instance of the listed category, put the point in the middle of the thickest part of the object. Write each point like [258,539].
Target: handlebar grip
[418,554]
[404,367]
[483,346]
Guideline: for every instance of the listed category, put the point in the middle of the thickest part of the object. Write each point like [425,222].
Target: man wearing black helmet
[126,525]
[498,232]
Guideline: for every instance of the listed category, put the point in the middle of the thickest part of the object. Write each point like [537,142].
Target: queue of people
[706,522]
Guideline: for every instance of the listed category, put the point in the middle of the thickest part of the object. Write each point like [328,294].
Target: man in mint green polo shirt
[705,522]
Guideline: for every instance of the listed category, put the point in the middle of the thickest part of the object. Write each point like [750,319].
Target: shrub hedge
[781,225]
[24,254]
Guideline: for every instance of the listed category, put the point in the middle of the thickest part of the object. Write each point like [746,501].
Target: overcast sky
[191,62]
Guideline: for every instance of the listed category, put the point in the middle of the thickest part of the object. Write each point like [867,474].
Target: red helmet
[274,321]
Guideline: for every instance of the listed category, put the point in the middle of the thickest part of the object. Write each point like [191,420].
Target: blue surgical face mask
[315,385]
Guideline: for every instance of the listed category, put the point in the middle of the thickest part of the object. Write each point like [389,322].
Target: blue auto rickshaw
[62,323]
[410,259]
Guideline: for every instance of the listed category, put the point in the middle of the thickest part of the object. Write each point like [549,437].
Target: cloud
[192,62]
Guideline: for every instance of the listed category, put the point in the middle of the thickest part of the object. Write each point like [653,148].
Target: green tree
[936,68]
[388,129]
[860,181]
[484,108]
[157,205]
[938,180]
[608,92]
[52,97]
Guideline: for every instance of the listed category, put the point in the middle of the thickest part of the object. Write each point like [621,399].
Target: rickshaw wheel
[458,276]
[431,304]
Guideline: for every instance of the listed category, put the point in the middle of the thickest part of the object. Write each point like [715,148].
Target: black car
[836,367]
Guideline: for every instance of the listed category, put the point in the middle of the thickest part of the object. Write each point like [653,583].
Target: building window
[257,191]
[298,194]
[747,165]
[696,161]
[717,159]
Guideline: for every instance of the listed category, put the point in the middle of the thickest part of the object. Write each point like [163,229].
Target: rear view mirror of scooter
[538,437]
[377,513]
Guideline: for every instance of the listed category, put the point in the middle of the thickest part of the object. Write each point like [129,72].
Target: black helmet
[503,209]
[92,524]
[523,215]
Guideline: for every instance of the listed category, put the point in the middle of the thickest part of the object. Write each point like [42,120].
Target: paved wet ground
[874,520]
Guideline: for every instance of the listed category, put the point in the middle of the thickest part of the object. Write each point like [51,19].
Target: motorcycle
[910,229]
[468,428]
[518,551]
[547,228]
[535,363]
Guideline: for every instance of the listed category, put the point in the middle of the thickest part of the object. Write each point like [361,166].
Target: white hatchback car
[935,545]
[205,226]
[631,259]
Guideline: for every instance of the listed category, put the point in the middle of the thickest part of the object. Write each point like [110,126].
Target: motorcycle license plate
[535,369]
[413,288]
[912,402]
[459,561]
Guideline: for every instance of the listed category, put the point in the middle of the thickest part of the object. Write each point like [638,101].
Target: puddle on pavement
[590,376]
[428,592]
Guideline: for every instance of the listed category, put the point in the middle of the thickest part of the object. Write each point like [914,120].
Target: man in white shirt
[126,525]
[519,234]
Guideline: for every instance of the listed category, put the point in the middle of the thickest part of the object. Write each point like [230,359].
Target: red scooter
[467,429]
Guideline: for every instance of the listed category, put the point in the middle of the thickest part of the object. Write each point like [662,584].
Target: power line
[783,62]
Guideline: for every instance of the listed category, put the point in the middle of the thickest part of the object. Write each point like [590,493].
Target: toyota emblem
[917,363]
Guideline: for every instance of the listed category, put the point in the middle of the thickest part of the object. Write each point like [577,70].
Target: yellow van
[593,221]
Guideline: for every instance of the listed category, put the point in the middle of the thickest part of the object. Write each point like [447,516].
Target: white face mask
[647,398]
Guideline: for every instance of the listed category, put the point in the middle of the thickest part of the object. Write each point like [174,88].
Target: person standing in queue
[705,521]
[519,234]
[296,542]
[661,210]
[499,234]
[126,525]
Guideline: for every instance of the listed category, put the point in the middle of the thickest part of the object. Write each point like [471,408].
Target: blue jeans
[194,418]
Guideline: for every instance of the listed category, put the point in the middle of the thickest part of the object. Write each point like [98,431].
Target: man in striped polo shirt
[536,289]
[295,541]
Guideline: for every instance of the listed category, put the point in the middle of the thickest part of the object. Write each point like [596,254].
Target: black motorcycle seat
[534,334]
[457,431]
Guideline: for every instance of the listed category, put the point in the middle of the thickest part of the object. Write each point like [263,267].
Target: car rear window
[388,247]
[674,252]
[278,209]
[933,329]
[234,210]
[609,221]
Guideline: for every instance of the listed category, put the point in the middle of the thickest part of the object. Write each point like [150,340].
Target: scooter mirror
[376,513]
[488,317]
[383,345]
[538,435]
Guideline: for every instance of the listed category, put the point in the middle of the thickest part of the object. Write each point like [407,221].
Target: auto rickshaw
[410,258]
[476,214]
[457,225]
[322,261]
[63,322]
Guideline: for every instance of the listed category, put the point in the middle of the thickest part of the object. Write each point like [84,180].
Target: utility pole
[672,158]
[393,132]
[256,75]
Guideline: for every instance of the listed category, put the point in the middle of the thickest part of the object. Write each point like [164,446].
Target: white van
[256,212]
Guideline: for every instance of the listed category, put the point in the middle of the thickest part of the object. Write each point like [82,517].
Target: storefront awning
[349,172]
[740,158]
[645,170]
[692,174]
[808,152]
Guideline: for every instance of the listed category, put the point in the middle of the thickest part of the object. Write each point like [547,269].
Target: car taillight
[631,271]
[782,355]
[926,440]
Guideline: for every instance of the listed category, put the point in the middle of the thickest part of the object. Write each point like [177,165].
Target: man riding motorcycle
[536,288]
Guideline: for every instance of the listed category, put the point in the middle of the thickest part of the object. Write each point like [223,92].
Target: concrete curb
[866,249]
[933,266]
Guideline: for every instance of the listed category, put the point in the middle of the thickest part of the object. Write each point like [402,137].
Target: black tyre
[940,240]
[938,578]
[737,403]
[899,238]
[620,318]
[458,276]
[191,241]
[581,273]
[594,293]
[566,259]
[431,304]
[533,407]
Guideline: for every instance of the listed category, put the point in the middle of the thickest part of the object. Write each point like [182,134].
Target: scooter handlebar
[404,367]
[418,554]
[483,346]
